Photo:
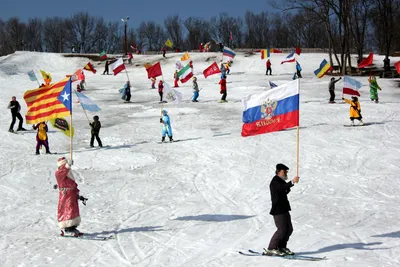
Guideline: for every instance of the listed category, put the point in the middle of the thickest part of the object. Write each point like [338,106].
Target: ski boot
[171,140]
[163,139]
[361,122]
[273,252]
[71,231]
[287,251]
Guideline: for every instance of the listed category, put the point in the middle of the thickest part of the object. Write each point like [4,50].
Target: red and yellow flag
[89,67]
[49,102]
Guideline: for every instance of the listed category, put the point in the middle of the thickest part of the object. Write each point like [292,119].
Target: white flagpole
[298,132]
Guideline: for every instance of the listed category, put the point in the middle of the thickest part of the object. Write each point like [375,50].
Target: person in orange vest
[176,78]
[268,64]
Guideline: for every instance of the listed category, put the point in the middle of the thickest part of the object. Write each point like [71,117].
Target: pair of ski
[286,257]
[90,237]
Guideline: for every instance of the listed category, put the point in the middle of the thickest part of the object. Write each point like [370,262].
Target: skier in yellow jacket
[355,109]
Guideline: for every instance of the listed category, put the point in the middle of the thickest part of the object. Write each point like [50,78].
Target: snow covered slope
[199,201]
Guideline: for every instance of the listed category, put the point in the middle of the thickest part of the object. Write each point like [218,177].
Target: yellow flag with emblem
[62,125]
[169,43]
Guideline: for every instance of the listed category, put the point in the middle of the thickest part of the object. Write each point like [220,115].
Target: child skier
[268,65]
[195,90]
[373,89]
[166,127]
[153,82]
[127,89]
[176,79]
[222,82]
[355,109]
[160,90]
[41,137]
[95,130]
[68,208]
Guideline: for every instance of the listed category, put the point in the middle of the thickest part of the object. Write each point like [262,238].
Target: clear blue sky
[137,10]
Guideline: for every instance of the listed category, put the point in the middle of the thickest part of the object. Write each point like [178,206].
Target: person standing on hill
[15,108]
[222,91]
[373,89]
[127,89]
[41,137]
[279,190]
[166,127]
[332,89]
[106,67]
[95,130]
[355,109]
[160,90]
[268,64]
[195,90]
[176,78]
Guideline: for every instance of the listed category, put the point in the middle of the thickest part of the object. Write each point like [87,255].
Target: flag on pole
[49,102]
[172,95]
[117,66]
[185,74]
[87,103]
[103,55]
[272,85]
[367,61]
[397,66]
[351,86]
[272,110]
[264,54]
[46,77]
[169,43]
[154,71]
[32,75]
[178,65]
[229,52]
[324,67]
[211,70]
[289,58]
[89,67]
[62,125]
[185,56]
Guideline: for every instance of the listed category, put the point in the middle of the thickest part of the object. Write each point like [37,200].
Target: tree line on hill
[342,26]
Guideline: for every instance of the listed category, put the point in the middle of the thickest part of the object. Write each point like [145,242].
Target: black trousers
[97,139]
[106,70]
[332,98]
[280,238]
[128,97]
[224,96]
[160,93]
[14,118]
[270,71]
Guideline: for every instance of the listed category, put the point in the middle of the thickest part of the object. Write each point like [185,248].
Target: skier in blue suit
[166,127]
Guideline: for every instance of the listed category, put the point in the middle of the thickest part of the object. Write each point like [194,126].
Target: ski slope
[199,201]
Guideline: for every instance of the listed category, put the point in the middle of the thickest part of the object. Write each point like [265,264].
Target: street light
[125,27]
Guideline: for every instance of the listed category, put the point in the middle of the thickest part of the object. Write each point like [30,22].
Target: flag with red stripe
[49,102]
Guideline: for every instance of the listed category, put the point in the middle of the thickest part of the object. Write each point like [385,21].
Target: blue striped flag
[229,52]
[32,75]
[87,103]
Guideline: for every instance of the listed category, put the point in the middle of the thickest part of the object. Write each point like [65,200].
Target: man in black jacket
[280,210]
[15,109]
[95,130]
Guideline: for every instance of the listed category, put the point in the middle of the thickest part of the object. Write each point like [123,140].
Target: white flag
[172,95]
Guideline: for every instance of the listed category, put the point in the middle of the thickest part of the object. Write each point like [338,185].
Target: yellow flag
[147,65]
[169,43]
[185,56]
[46,75]
[62,125]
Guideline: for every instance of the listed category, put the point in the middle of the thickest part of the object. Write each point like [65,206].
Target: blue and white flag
[272,85]
[87,103]
[229,52]
[32,75]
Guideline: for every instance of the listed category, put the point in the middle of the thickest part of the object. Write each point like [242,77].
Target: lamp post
[125,28]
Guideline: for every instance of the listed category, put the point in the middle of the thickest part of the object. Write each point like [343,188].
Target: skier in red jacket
[222,82]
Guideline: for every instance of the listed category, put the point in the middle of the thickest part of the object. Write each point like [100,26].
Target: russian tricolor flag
[272,110]
[351,86]
[229,52]
[289,58]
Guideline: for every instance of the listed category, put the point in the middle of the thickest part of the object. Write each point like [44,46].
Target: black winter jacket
[279,190]
[96,125]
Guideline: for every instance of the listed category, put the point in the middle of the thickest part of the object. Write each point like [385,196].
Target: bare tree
[197,32]
[151,35]
[3,39]
[15,31]
[258,26]
[52,32]
[224,26]
[33,35]
[174,28]
[80,30]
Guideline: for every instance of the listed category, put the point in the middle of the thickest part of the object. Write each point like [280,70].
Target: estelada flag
[154,71]
[89,67]
[49,102]
[367,61]
[212,69]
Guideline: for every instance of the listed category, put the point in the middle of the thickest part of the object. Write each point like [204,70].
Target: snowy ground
[199,201]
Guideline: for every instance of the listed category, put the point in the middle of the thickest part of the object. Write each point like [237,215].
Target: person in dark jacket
[95,130]
[106,67]
[280,210]
[332,89]
[15,108]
